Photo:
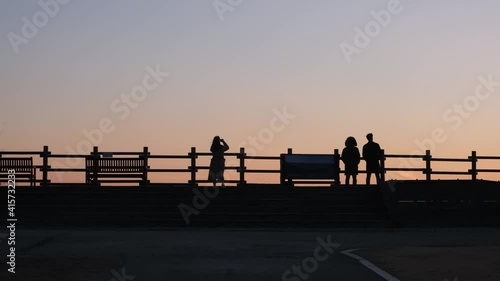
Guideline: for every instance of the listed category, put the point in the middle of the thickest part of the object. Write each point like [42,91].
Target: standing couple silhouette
[351,158]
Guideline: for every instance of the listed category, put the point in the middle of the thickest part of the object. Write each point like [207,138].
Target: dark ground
[212,255]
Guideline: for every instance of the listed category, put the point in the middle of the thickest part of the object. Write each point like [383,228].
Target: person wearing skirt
[217,163]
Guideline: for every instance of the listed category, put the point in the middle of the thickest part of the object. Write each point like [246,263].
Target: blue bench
[309,169]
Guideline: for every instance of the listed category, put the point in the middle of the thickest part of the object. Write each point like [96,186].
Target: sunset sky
[428,69]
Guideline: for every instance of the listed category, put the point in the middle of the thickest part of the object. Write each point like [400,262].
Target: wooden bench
[23,167]
[115,170]
[309,168]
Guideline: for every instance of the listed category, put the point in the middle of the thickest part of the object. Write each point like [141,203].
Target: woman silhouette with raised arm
[217,164]
[350,156]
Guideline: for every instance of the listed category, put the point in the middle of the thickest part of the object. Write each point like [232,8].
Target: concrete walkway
[214,255]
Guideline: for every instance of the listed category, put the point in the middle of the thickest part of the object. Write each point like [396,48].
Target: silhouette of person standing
[350,156]
[372,154]
[217,163]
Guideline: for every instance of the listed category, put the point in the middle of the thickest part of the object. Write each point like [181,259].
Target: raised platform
[443,203]
[395,204]
[163,207]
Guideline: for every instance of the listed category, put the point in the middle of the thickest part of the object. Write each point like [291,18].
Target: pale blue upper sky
[227,76]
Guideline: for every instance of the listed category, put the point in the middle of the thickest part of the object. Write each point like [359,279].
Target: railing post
[242,166]
[473,160]
[45,166]
[95,173]
[428,170]
[145,154]
[282,173]
[382,165]
[193,166]
[289,181]
[283,180]
[336,161]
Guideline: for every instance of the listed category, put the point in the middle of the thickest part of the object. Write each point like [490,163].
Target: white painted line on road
[370,265]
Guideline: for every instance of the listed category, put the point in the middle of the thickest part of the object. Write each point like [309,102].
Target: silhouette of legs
[354,179]
[368,176]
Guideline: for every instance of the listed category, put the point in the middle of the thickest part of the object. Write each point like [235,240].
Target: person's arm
[358,157]
[226,147]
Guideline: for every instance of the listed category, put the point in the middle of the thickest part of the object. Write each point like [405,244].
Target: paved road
[215,255]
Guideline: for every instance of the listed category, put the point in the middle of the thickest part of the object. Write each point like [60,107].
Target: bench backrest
[309,166]
[20,165]
[116,165]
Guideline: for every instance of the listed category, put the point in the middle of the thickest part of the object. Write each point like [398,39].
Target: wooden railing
[46,156]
